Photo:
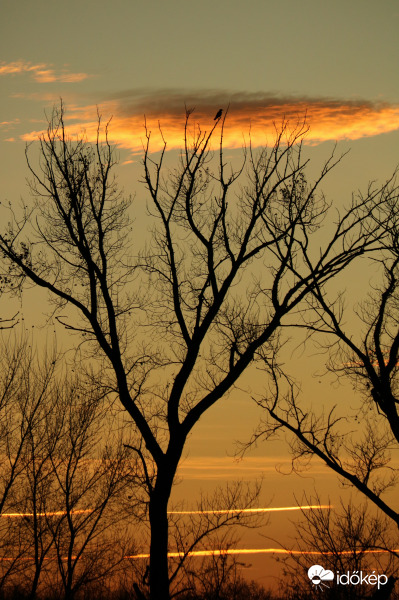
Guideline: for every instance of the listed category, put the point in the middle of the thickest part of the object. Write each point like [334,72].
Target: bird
[218,114]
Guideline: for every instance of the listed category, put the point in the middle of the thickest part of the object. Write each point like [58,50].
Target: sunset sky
[268,60]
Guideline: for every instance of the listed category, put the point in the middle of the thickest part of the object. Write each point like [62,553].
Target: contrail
[235,551]
[57,513]
[230,551]
[250,510]
[60,513]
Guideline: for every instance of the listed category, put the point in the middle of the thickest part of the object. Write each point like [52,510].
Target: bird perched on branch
[218,114]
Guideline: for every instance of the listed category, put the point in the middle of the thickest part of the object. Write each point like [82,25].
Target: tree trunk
[159,573]
[69,592]
[35,582]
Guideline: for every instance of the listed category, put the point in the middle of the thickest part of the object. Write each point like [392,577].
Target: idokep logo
[318,576]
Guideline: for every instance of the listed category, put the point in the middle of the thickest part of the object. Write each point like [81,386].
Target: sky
[337,63]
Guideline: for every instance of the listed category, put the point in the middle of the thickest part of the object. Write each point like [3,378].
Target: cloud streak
[224,552]
[250,116]
[236,551]
[57,513]
[42,72]
[251,510]
[60,513]
[209,467]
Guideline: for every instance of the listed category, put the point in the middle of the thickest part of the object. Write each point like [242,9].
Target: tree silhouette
[342,540]
[25,388]
[226,265]
[61,480]
[358,447]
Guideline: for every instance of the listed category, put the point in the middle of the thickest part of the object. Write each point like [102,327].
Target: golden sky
[332,64]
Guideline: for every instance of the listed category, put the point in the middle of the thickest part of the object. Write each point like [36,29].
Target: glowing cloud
[250,116]
[8,124]
[41,73]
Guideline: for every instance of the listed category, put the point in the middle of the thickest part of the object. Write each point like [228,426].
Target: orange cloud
[8,124]
[250,117]
[18,66]
[41,73]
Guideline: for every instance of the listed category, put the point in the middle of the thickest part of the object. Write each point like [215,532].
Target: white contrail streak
[250,510]
[226,511]
[232,551]
[57,513]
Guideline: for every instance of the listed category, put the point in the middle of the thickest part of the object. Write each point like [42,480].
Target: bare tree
[61,479]
[230,259]
[32,493]
[348,538]
[200,538]
[211,527]
[364,348]
[25,388]
[82,507]
[11,278]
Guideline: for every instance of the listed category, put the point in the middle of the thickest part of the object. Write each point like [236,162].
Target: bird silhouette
[218,114]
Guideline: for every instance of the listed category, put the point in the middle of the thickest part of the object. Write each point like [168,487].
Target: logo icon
[318,576]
